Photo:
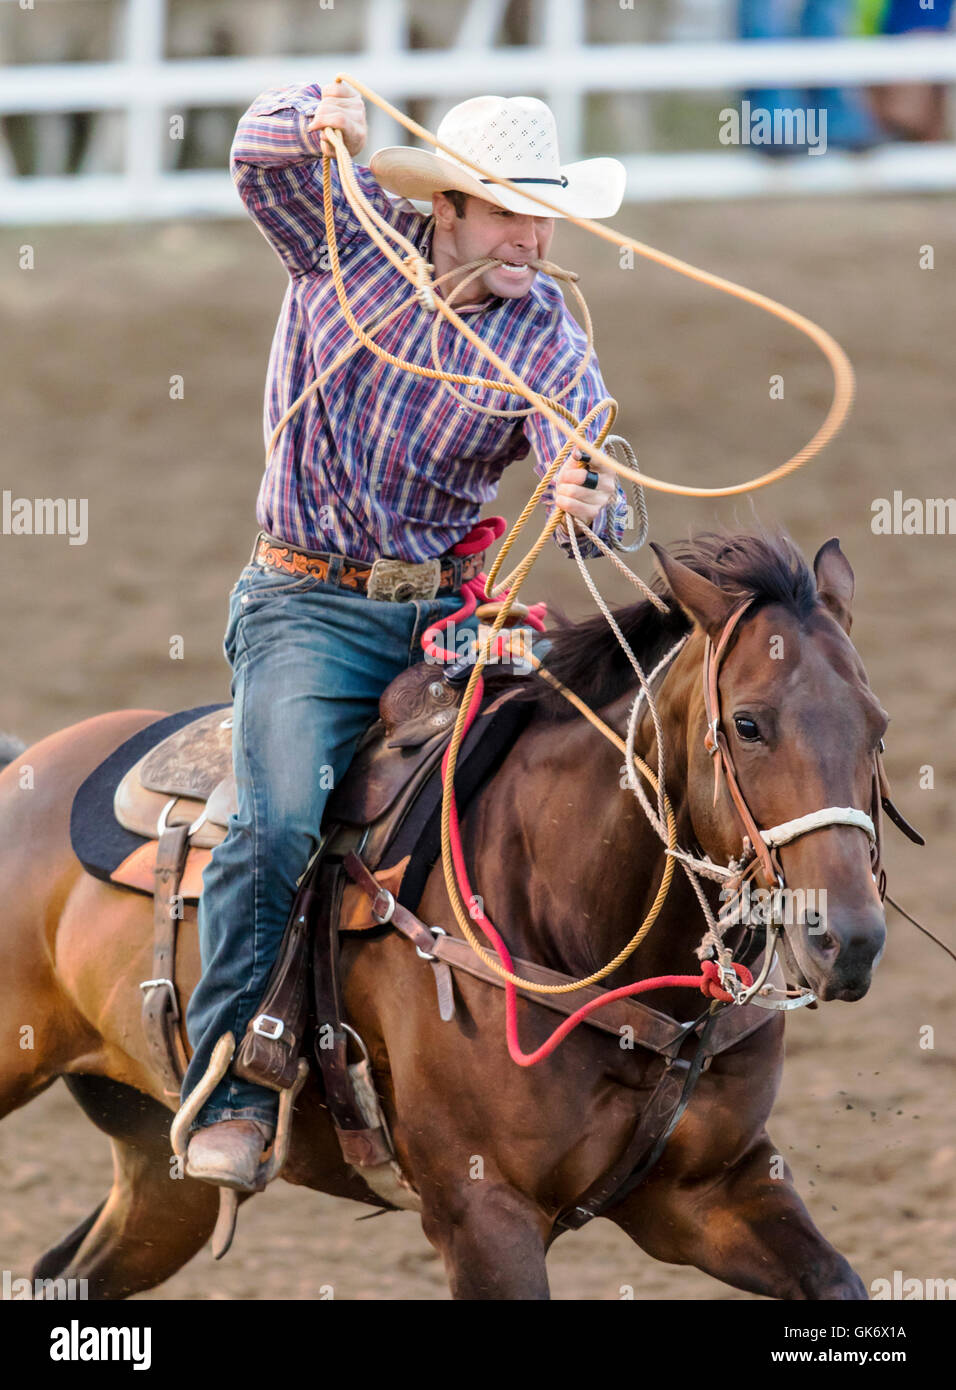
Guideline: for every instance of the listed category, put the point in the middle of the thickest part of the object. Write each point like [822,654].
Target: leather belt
[396,581]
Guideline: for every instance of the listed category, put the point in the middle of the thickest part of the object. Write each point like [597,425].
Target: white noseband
[816,820]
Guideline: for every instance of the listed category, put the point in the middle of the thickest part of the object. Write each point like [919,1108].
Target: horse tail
[10,747]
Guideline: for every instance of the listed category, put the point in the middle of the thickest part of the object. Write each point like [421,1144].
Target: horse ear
[835,582]
[701,600]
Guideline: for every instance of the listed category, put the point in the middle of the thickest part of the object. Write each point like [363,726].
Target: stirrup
[225,1228]
[222,1055]
[270,1168]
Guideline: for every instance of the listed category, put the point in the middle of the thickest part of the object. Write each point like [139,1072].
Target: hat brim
[594,188]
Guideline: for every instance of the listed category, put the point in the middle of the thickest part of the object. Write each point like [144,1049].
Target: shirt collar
[425,247]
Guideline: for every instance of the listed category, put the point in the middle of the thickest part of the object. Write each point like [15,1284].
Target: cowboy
[378,463]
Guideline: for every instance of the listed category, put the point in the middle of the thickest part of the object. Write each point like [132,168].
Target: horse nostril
[826,942]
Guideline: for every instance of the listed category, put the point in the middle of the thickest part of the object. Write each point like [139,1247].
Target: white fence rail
[147,89]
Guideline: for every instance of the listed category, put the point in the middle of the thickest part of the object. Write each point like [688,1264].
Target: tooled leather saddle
[171,792]
[187,778]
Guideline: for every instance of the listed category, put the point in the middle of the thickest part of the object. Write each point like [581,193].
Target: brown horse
[566,865]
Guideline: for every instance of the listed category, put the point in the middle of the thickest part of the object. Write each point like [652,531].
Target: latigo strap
[161,1014]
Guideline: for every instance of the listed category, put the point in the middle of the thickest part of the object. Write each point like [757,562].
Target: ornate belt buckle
[400,581]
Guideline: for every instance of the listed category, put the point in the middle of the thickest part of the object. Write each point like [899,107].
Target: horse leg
[45,1032]
[492,1241]
[743,1226]
[25,1073]
[153,1221]
[149,1227]
[40,1031]
[52,1261]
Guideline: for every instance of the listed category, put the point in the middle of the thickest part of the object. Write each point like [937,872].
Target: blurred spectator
[906,16]
[909,110]
[849,122]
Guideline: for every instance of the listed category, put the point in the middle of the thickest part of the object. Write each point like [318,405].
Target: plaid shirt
[380,462]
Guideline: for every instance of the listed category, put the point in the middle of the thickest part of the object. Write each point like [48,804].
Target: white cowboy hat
[515,138]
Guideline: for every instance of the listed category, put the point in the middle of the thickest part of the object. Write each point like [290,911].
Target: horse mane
[761,565]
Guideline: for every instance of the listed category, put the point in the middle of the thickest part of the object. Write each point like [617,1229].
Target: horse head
[790,734]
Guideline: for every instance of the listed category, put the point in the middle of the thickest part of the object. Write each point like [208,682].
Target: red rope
[487,531]
[474,591]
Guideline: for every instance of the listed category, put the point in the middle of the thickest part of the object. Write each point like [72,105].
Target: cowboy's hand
[341,108]
[583,502]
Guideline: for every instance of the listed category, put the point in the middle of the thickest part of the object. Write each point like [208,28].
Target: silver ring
[161,821]
[355,1037]
[428,955]
[386,916]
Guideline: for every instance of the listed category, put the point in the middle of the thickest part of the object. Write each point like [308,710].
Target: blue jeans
[309,662]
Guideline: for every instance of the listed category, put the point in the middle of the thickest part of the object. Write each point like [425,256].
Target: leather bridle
[764,843]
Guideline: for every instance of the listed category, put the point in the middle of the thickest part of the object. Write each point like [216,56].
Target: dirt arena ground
[93,335]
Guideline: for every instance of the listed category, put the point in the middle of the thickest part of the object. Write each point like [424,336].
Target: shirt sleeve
[547,441]
[276,164]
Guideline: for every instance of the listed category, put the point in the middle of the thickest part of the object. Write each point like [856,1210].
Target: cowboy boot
[229,1153]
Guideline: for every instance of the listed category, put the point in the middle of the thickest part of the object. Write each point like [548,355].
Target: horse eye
[746,728]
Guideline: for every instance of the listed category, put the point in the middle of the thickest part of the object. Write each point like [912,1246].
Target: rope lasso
[843,379]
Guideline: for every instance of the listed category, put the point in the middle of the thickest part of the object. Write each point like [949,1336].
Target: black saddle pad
[99,841]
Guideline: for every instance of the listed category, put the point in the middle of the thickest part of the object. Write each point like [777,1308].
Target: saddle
[187,778]
[171,793]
